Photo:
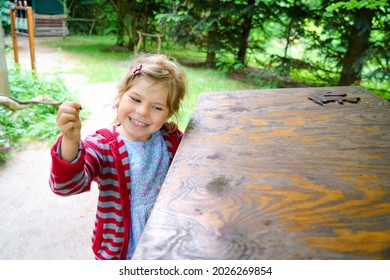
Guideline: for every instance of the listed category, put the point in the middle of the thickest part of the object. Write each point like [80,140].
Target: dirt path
[36,224]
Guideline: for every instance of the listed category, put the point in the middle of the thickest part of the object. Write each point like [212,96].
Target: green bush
[38,121]
[4,14]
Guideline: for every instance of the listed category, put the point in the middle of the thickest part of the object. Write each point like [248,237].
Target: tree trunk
[132,31]
[246,28]
[120,37]
[357,47]
[211,58]
[4,84]
[213,37]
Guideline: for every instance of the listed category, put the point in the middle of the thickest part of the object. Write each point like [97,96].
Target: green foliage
[120,18]
[36,122]
[324,48]
[87,10]
[356,4]
[4,15]
[318,42]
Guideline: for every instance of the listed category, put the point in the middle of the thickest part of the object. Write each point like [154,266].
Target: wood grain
[269,174]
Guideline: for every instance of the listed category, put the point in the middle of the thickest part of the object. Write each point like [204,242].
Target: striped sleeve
[69,178]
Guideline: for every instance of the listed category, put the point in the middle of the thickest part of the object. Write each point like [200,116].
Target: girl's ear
[115,106]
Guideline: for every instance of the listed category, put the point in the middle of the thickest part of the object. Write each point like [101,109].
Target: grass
[93,57]
[205,80]
[99,62]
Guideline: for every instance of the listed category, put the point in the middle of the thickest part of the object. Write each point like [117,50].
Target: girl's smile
[138,123]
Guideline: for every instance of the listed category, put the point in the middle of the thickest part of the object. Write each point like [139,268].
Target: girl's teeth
[138,123]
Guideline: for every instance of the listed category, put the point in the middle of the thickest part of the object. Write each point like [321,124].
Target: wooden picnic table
[269,174]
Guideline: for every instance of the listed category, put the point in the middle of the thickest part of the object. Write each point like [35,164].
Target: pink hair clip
[137,70]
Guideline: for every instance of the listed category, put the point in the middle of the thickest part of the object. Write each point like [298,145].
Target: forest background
[288,43]
[311,42]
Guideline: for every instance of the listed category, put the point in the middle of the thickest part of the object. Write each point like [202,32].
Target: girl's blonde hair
[161,70]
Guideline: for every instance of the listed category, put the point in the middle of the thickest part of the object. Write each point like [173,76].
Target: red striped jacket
[103,158]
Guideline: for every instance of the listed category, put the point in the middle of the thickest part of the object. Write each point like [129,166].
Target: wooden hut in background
[49,17]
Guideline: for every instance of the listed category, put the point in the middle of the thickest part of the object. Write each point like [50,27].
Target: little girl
[128,162]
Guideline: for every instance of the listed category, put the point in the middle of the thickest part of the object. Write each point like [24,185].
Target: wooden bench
[269,174]
[143,34]
[50,25]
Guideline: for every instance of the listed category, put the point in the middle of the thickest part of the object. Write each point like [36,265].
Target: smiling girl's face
[142,110]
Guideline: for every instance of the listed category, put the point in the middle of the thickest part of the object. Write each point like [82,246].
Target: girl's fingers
[71,130]
[69,108]
[68,119]
[72,104]
[68,111]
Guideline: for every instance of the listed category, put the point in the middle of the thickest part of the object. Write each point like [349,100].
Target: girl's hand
[68,120]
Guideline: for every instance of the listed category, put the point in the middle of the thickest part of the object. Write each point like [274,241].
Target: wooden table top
[269,174]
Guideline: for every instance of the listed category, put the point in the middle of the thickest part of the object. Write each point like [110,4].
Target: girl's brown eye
[135,99]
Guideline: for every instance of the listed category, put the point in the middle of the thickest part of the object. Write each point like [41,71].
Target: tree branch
[14,104]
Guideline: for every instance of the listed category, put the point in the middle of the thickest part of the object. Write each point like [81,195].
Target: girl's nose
[142,110]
